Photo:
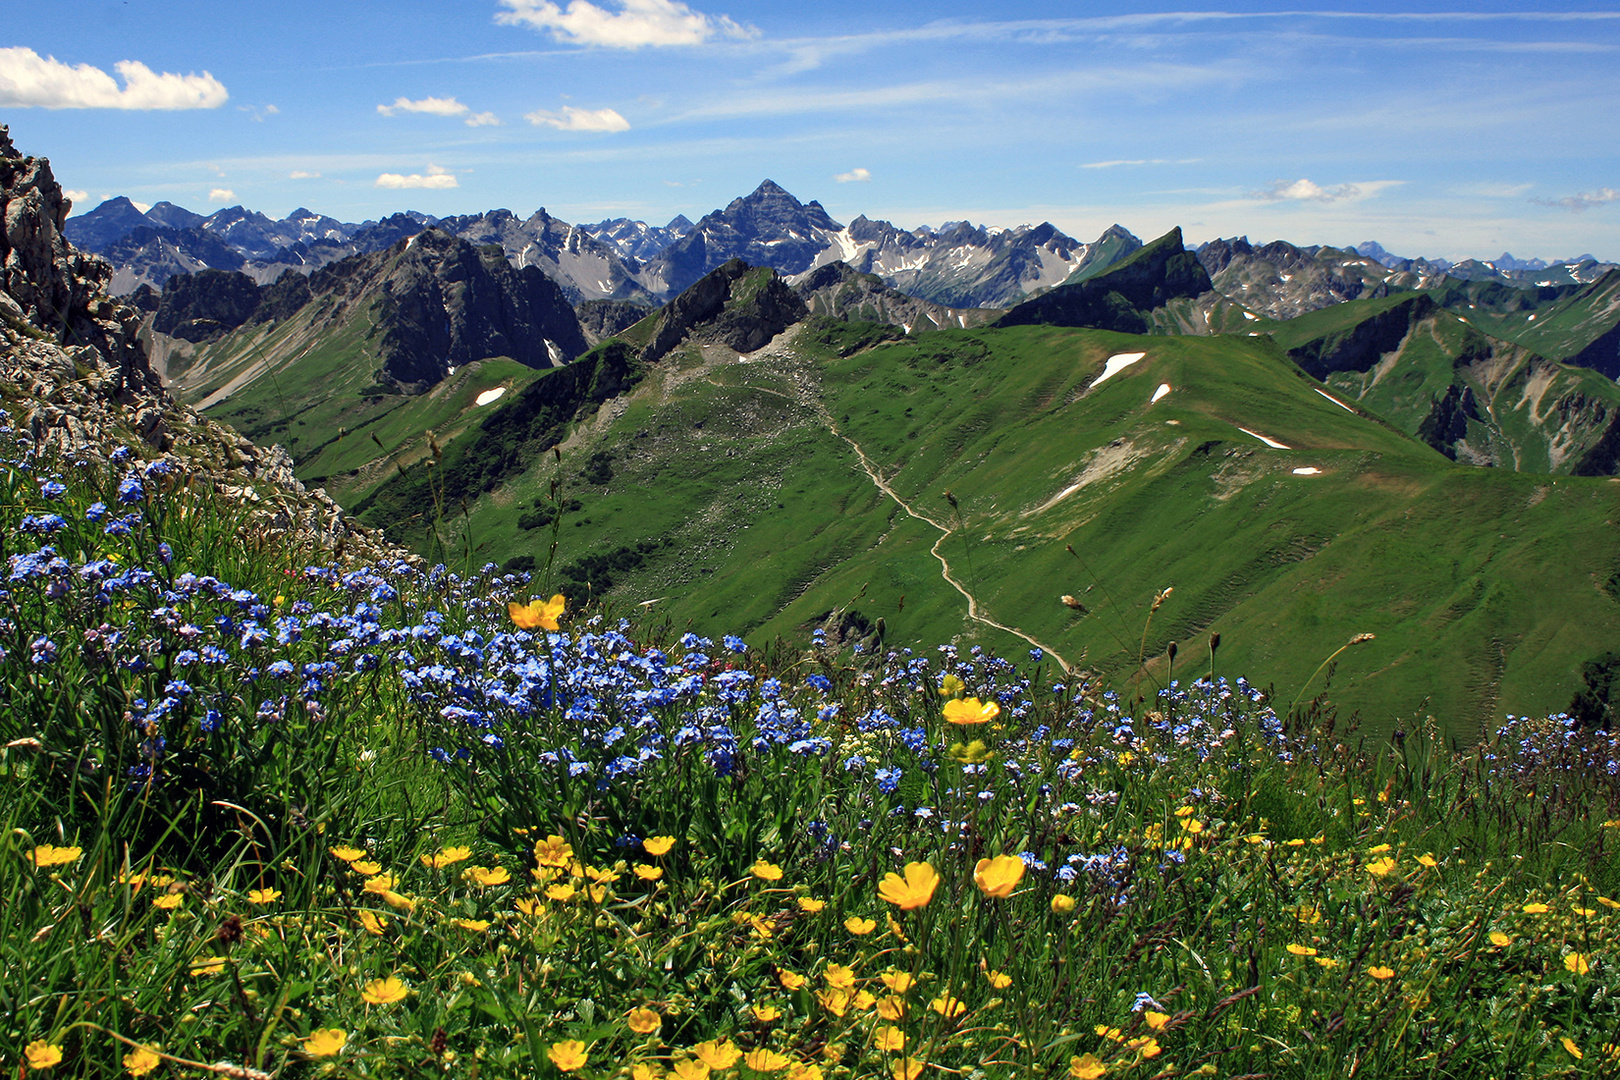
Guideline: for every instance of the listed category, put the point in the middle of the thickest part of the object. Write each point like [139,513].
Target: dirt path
[809,398]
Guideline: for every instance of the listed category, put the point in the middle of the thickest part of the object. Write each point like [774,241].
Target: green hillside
[814,481]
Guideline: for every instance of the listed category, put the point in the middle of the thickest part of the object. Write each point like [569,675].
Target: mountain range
[768,421]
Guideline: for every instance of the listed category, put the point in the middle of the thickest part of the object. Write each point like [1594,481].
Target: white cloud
[1582,201]
[221,195]
[572,119]
[78,197]
[1139,161]
[437,179]
[141,206]
[483,119]
[1303,190]
[860,176]
[634,24]
[28,80]
[303,174]
[434,106]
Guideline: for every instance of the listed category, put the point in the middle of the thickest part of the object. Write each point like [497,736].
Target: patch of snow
[1309,470]
[1117,364]
[450,371]
[1273,443]
[1532,318]
[906,327]
[490,396]
[963,320]
[1460,318]
[1164,388]
[1335,400]
[1251,316]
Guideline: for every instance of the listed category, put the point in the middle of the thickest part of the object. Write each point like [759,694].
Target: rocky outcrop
[196,307]
[1120,297]
[1360,346]
[79,383]
[736,305]
[602,319]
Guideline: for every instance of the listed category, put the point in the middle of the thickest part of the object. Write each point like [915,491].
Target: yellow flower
[1062,904]
[1569,1044]
[1584,912]
[646,1070]
[690,1070]
[912,891]
[569,1054]
[906,1069]
[325,1042]
[42,1055]
[971,711]
[477,926]
[657,846]
[801,1071]
[891,1040]
[1145,1046]
[859,926]
[765,1014]
[1112,1034]
[553,851]
[766,1060]
[380,884]
[484,876]
[810,905]
[529,906]
[394,899]
[1155,1020]
[1326,961]
[1499,939]
[537,613]
[1086,1067]
[561,893]
[999,979]
[1381,867]
[834,1001]
[839,977]
[766,871]
[366,867]
[49,855]
[717,1054]
[648,873]
[168,901]
[1536,909]
[207,965]
[264,896]
[947,1006]
[998,877]
[1576,964]
[1379,849]
[864,1000]
[790,980]
[643,1021]
[951,686]
[1194,826]
[1301,950]
[892,1008]
[446,857]
[384,991]
[898,981]
[141,1060]
[1606,902]
[1381,973]
[1427,860]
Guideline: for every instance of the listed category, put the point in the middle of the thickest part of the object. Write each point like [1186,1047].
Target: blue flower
[130,489]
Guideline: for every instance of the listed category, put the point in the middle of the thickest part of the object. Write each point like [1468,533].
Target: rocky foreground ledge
[76,378]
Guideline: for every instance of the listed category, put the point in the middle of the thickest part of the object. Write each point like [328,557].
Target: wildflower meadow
[270,814]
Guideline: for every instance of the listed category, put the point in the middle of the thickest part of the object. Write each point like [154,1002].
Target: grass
[775,526]
[267,816]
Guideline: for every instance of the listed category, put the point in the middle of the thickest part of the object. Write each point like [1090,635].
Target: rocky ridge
[77,381]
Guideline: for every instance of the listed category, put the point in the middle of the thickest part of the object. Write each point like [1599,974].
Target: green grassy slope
[729,494]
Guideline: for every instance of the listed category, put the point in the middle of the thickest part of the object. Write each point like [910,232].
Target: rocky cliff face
[76,378]
[735,305]
[1120,297]
[840,291]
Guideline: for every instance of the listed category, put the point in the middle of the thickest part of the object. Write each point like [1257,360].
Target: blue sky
[1451,130]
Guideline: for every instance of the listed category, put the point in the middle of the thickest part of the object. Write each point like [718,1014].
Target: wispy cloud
[1304,190]
[1139,161]
[440,106]
[569,118]
[854,176]
[303,174]
[30,80]
[258,112]
[1582,201]
[221,195]
[436,179]
[635,23]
